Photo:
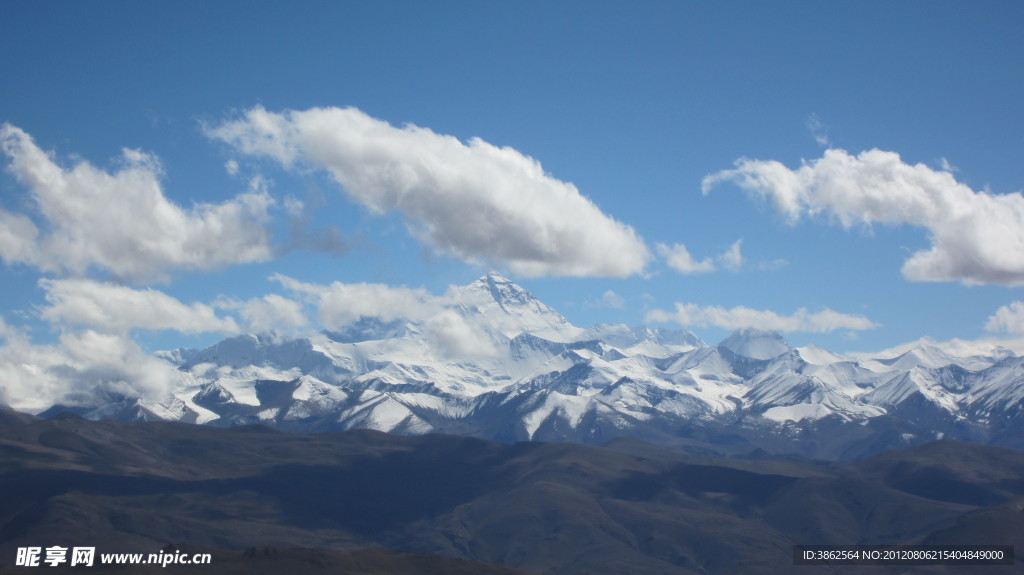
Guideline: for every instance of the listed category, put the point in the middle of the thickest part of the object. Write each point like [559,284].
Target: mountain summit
[512,310]
[504,291]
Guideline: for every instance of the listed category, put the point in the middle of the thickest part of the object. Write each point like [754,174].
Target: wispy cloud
[474,200]
[976,237]
[819,130]
[1007,319]
[740,317]
[678,257]
[613,300]
[732,259]
[609,299]
[302,235]
[121,222]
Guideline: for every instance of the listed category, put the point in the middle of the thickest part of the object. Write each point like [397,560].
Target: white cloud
[474,200]
[609,299]
[613,300]
[6,331]
[78,368]
[771,266]
[964,348]
[101,358]
[740,317]
[446,331]
[732,259]
[453,337]
[819,130]
[679,258]
[339,304]
[121,222]
[976,237]
[295,207]
[1007,319]
[271,313]
[114,308]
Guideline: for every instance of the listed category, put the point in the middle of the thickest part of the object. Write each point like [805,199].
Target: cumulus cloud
[678,258]
[740,317]
[115,308]
[474,200]
[121,221]
[976,237]
[1007,319]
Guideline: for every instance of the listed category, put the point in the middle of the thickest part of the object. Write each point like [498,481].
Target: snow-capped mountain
[498,363]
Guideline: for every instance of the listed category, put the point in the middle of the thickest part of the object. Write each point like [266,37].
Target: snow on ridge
[815,355]
[797,412]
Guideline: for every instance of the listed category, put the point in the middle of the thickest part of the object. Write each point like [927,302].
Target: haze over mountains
[491,361]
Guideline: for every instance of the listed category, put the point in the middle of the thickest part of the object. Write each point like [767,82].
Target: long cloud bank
[477,201]
[741,317]
[976,237]
[120,309]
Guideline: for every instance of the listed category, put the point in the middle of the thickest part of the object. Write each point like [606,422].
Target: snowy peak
[970,355]
[499,302]
[504,291]
[815,355]
[923,356]
[756,344]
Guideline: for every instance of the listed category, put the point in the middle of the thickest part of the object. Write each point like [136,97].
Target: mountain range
[494,362]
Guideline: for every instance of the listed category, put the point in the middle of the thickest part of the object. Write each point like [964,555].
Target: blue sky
[847,173]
